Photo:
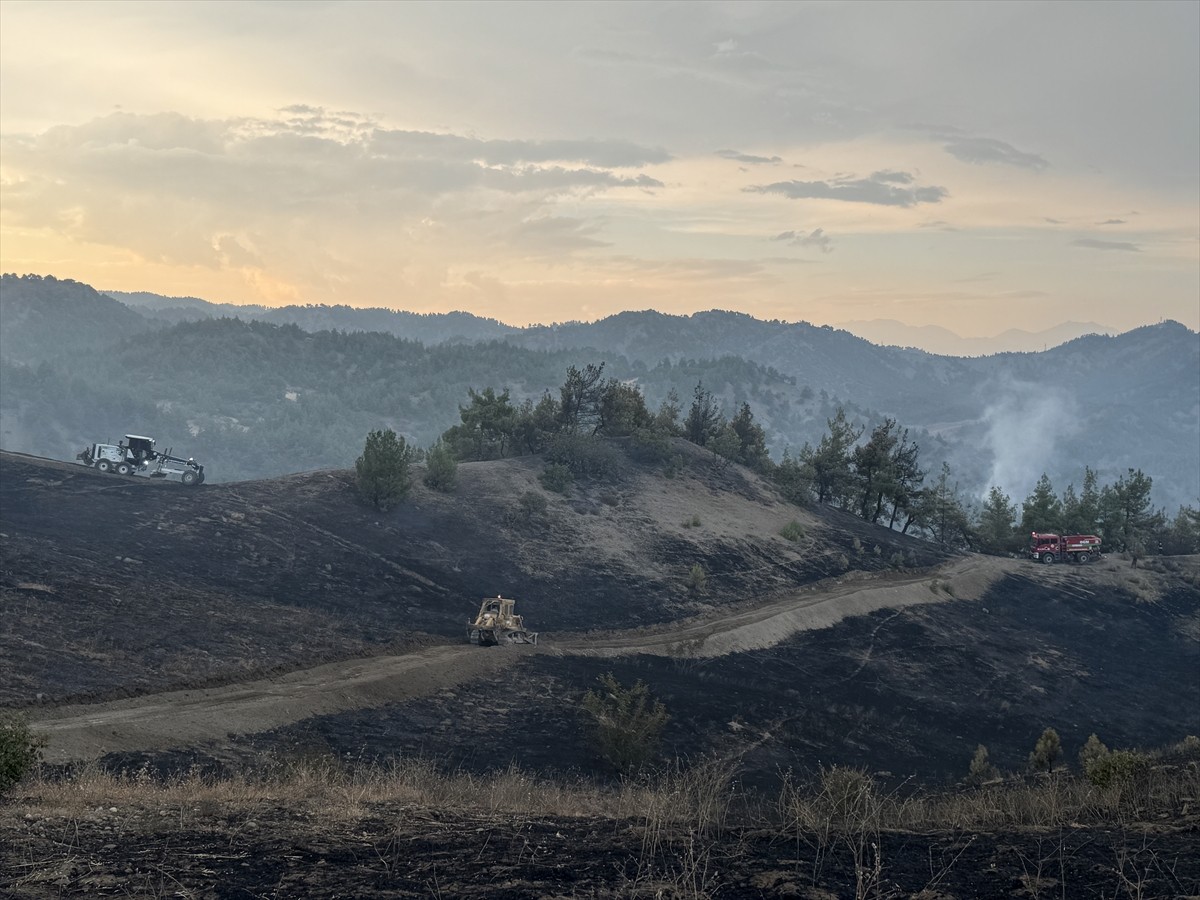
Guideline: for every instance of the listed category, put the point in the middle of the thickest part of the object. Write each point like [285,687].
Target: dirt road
[194,717]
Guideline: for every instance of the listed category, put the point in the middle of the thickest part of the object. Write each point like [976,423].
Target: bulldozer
[498,624]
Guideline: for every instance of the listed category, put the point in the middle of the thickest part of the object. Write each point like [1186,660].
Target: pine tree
[996,519]
[1042,510]
[1046,751]
[829,463]
[704,419]
[441,468]
[382,472]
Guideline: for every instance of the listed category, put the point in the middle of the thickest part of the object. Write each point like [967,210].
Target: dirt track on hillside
[209,716]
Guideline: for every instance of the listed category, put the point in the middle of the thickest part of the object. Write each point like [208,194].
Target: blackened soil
[907,692]
[406,852]
[113,586]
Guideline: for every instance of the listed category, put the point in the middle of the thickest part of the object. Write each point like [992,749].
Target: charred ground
[122,586]
[908,658]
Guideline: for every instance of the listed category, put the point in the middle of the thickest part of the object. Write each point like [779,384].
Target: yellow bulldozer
[498,624]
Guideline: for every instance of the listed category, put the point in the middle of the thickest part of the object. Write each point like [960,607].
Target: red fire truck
[1048,548]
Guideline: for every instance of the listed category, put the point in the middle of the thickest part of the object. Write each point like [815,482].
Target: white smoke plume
[1025,423]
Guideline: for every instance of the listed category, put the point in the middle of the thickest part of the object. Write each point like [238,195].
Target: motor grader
[497,623]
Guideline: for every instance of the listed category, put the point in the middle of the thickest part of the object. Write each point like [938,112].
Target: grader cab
[497,623]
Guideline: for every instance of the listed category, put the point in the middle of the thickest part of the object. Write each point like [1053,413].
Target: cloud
[1053,221]
[1093,244]
[601,153]
[1112,222]
[748,158]
[980,151]
[882,188]
[815,238]
[555,235]
[312,190]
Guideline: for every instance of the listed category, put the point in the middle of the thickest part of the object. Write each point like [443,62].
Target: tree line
[877,476]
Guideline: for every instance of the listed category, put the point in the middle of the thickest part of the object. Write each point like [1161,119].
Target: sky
[975,166]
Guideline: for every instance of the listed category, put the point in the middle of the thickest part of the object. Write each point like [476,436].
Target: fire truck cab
[1050,548]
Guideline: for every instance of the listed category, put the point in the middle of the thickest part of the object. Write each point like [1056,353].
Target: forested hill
[429,328]
[252,399]
[297,387]
[47,319]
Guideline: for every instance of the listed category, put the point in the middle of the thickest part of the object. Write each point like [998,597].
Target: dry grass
[847,800]
[703,797]
[691,819]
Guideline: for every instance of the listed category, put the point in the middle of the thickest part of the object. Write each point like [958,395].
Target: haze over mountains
[935,339]
[297,387]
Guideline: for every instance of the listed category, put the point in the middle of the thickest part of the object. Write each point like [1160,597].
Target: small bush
[693,522]
[1117,767]
[896,560]
[585,456]
[531,507]
[653,446]
[1190,744]
[557,477]
[981,768]
[793,531]
[628,723]
[20,750]
[697,579]
[1093,750]
[441,468]
[848,797]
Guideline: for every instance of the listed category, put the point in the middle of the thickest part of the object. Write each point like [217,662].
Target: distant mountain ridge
[1109,402]
[943,341]
[429,328]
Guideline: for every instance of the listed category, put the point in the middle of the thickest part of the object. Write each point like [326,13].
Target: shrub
[531,507]
[981,769]
[20,750]
[653,446]
[628,723]
[557,477]
[847,798]
[793,531]
[697,579]
[585,456]
[1046,751]
[1117,767]
[381,473]
[1094,749]
[441,468]
[1190,744]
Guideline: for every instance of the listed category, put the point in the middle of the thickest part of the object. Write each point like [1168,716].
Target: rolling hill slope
[897,658]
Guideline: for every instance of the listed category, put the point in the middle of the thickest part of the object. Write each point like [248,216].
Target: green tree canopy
[382,472]
[829,463]
[1042,510]
[704,419]
[997,517]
